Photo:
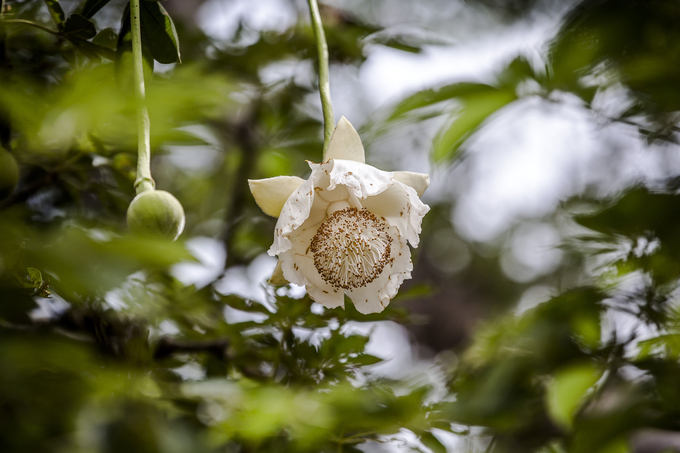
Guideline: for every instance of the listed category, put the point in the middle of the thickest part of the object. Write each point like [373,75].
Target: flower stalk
[324,85]
[144,180]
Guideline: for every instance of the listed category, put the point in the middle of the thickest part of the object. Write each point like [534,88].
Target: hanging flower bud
[156,213]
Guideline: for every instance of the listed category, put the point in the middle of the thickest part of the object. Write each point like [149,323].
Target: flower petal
[301,271]
[345,143]
[271,194]
[329,299]
[277,277]
[402,208]
[364,180]
[290,268]
[321,184]
[302,237]
[419,181]
[295,212]
[374,297]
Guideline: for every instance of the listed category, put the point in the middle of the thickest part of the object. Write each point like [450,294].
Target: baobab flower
[345,229]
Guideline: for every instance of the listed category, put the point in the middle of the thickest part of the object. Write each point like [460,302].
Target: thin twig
[32,24]
[167,346]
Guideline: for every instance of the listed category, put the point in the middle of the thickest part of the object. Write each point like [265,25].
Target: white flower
[345,229]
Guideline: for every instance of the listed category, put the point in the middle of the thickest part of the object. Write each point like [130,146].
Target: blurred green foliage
[104,348]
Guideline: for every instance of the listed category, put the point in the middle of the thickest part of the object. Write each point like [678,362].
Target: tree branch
[248,147]
[167,346]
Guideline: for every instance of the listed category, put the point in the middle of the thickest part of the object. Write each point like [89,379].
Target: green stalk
[324,85]
[144,181]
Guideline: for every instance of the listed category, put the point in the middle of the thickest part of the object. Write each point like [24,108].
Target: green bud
[156,213]
[9,174]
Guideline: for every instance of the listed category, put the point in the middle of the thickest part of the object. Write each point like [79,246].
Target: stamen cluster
[351,248]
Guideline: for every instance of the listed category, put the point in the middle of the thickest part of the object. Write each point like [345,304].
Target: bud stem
[144,180]
[324,85]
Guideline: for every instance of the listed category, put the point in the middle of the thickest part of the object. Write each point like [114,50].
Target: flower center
[351,248]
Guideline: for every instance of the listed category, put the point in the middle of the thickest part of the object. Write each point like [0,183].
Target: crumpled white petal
[365,181]
[345,143]
[294,213]
[400,205]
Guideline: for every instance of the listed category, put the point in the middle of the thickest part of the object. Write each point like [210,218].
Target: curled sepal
[271,194]
[277,278]
[345,143]
[419,181]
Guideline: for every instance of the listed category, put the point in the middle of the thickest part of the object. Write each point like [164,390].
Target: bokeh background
[542,311]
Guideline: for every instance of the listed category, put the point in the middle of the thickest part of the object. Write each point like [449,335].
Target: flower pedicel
[345,229]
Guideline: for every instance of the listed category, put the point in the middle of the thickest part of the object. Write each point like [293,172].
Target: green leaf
[430,441]
[567,391]
[243,305]
[77,26]
[516,72]
[365,360]
[638,211]
[106,38]
[56,12]
[158,31]
[85,50]
[91,7]
[95,51]
[340,345]
[475,111]
[415,291]
[427,98]
[665,345]
[34,277]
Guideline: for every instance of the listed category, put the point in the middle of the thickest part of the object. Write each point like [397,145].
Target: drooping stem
[31,23]
[324,85]
[144,181]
